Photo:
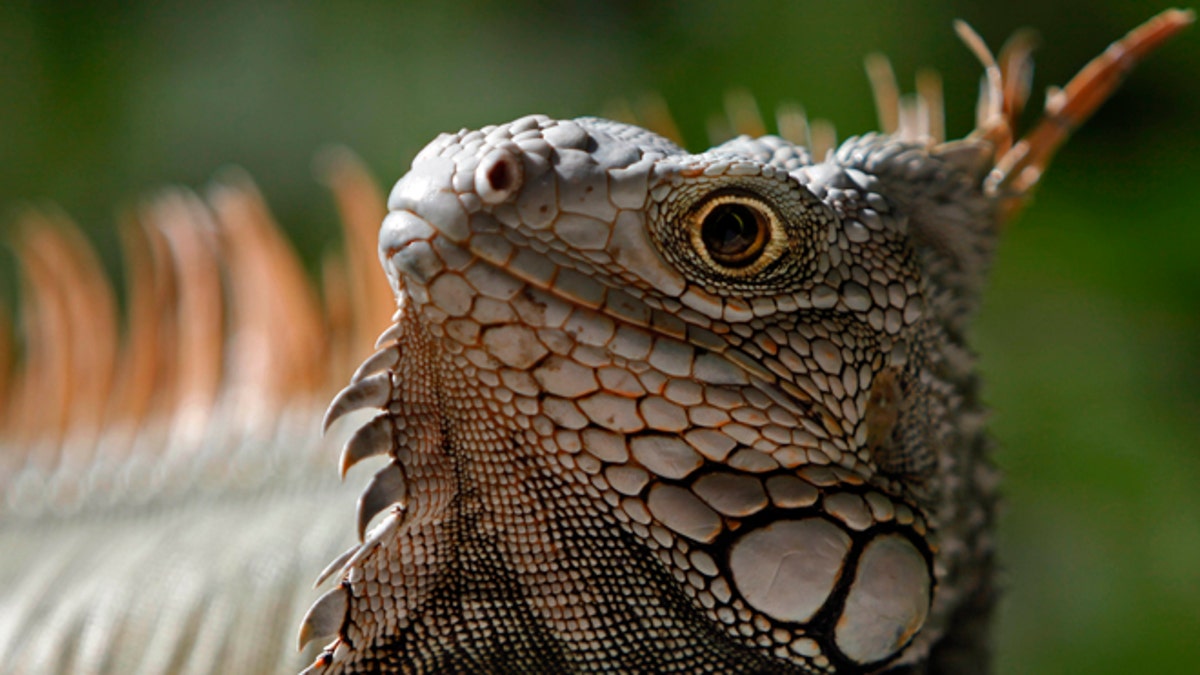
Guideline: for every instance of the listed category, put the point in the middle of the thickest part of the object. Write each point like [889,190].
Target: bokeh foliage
[1090,338]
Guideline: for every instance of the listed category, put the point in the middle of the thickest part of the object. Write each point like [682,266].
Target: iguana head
[648,410]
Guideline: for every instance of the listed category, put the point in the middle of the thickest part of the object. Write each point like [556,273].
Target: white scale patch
[888,601]
[787,569]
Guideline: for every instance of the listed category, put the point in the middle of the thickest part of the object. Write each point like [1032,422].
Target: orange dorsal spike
[1018,169]
[361,206]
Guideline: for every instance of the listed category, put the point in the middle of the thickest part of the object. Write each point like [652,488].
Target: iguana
[640,410]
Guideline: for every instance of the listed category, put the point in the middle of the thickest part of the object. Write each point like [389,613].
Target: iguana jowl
[650,411]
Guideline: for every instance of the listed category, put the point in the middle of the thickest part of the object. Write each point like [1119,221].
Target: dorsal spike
[7,359]
[43,393]
[744,116]
[990,122]
[824,138]
[280,344]
[142,386]
[929,93]
[361,205]
[344,347]
[91,308]
[792,123]
[1016,71]
[185,230]
[655,115]
[1020,167]
[885,91]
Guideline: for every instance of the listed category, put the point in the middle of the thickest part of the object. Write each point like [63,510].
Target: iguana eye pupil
[735,234]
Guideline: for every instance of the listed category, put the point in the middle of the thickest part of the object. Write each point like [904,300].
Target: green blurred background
[1090,336]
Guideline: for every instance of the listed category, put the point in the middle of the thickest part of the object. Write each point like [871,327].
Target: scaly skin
[643,411]
[649,411]
[700,428]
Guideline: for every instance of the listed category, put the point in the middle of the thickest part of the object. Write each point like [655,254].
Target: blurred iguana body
[641,411]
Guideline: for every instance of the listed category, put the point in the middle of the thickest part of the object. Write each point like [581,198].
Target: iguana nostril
[498,175]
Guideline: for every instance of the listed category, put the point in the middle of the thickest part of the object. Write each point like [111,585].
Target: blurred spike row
[220,310]
[1018,161]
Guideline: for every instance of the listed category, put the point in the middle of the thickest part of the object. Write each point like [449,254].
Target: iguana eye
[737,232]
[742,235]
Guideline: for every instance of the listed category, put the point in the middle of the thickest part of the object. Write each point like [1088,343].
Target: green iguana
[639,410]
